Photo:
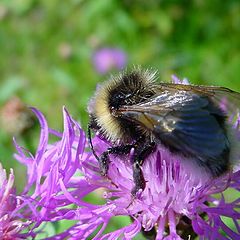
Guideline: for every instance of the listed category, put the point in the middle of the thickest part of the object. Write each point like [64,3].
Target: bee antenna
[90,142]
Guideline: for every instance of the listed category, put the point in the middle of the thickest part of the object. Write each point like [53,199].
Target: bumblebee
[132,110]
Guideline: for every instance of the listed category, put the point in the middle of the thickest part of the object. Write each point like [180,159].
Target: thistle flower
[106,59]
[180,200]
[10,223]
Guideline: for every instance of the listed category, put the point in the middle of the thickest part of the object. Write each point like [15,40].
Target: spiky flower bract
[11,222]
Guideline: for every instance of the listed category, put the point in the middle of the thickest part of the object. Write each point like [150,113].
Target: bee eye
[118,99]
[119,96]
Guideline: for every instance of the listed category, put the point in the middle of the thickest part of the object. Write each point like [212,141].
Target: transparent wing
[227,99]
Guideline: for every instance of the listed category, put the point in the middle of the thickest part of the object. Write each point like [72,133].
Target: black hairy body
[188,120]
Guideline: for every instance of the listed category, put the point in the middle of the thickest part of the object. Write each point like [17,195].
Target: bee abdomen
[219,165]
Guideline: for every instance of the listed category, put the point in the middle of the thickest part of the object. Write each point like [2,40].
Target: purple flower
[105,59]
[11,224]
[176,80]
[179,199]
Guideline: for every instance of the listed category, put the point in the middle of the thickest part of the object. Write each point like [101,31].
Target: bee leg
[138,179]
[141,153]
[104,158]
[104,163]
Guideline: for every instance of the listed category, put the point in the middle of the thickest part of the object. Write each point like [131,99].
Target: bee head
[128,88]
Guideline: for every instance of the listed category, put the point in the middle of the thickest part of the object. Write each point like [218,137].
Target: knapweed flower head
[106,59]
[11,224]
[180,200]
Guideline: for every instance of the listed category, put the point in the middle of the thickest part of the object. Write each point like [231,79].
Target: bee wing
[185,121]
[227,99]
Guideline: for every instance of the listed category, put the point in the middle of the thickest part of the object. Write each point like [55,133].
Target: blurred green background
[48,47]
